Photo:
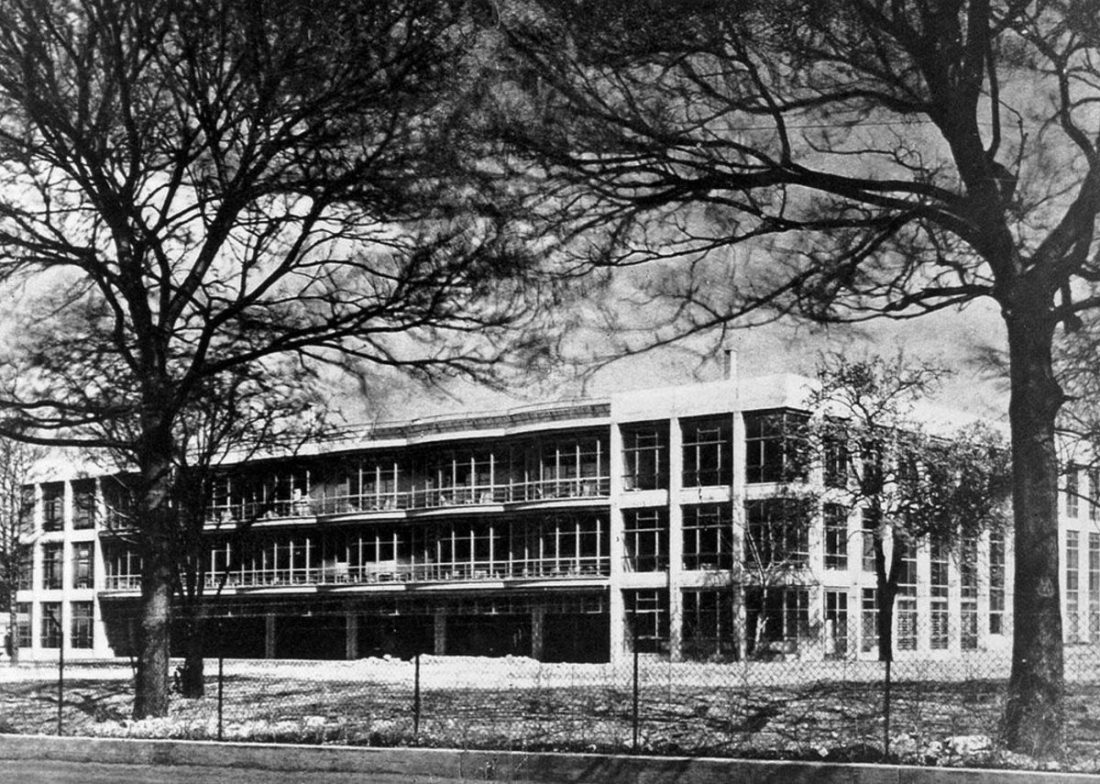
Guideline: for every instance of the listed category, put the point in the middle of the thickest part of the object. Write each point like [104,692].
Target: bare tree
[16,529]
[189,189]
[840,162]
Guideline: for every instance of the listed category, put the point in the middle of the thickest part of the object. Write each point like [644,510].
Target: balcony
[391,573]
[595,487]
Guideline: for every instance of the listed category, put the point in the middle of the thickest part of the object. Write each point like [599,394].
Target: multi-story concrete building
[567,531]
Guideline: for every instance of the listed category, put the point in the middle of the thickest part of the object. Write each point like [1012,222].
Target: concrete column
[675,541]
[269,636]
[351,641]
[737,520]
[538,628]
[616,607]
[439,622]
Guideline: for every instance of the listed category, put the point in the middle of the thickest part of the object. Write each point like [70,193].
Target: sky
[951,339]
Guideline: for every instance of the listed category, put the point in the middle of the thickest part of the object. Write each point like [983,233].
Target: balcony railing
[394,572]
[425,498]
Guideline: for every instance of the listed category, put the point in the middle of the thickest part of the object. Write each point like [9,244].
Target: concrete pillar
[440,628]
[351,641]
[538,628]
[675,541]
[616,608]
[269,636]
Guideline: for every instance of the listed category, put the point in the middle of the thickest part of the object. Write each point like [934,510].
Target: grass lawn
[941,712]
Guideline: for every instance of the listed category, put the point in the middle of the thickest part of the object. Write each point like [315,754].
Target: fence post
[221,692]
[634,744]
[416,696]
[60,675]
[886,708]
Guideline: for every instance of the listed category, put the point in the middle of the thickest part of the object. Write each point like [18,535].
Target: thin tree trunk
[1034,714]
[191,677]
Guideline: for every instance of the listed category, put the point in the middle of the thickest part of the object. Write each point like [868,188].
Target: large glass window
[708,624]
[777,618]
[1073,586]
[52,565]
[940,610]
[84,504]
[53,506]
[708,536]
[836,536]
[835,456]
[50,632]
[707,450]
[836,624]
[645,456]
[24,566]
[775,446]
[573,466]
[646,535]
[83,569]
[647,620]
[1072,491]
[968,583]
[906,601]
[23,629]
[778,533]
[997,580]
[868,641]
[82,635]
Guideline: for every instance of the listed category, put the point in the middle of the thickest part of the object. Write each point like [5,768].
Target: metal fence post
[416,696]
[60,675]
[221,693]
[634,744]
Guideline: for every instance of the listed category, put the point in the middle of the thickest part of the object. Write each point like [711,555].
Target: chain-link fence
[940,711]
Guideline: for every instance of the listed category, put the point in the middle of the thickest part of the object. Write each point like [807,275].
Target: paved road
[50,772]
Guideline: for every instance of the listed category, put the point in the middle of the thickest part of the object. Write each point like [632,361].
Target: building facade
[576,531]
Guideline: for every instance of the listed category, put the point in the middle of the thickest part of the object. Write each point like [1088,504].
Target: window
[836,624]
[25,567]
[708,625]
[50,633]
[834,456]
[118,501]
[1073,586]
[778,620]
[836,536]
[645,456]
[968,582]
[778,533]
[52,565]
[646,535]
[573,467]
[53,506]
[868,531]
[939,558]
[84,504]
[869,621]
[708,536]
[775,446]
[997,579]
[708,449]
[26,509]
[906,600]
[23,628]
[1072,491]
[647,620]
[83,564]
[81,635]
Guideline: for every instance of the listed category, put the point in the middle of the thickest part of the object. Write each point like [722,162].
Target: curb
[505,766]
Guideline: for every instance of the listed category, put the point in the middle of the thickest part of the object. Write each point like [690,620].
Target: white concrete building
[564,531]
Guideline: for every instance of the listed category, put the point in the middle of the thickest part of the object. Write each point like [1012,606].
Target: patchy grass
[941,713]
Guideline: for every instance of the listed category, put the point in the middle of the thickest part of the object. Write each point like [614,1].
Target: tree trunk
[155,534]
[1034,713]
[191,676]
